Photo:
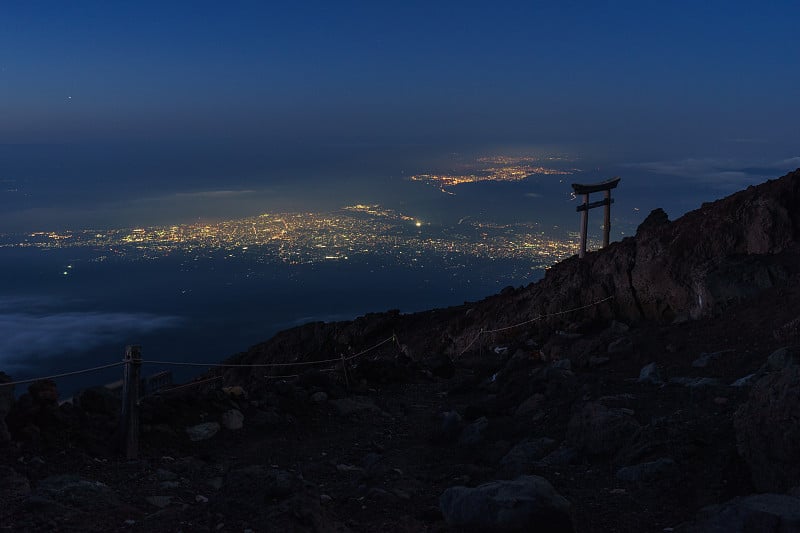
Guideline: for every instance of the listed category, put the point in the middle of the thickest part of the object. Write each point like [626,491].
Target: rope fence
[65,374]
[482,331]
[133,361]
[269,365]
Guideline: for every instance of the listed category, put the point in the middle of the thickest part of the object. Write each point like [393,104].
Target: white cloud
[721,172]
[27,337]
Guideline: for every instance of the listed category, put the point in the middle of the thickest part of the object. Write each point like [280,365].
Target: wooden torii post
[586,190]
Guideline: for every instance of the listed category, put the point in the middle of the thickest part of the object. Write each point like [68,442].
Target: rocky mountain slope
[652,386]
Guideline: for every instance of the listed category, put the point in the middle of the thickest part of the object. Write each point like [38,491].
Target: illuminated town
[352,233]
[494,169]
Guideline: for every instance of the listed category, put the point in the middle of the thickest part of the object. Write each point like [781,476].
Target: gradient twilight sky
[193,96]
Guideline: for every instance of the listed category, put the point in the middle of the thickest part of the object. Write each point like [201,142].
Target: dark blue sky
[214,95]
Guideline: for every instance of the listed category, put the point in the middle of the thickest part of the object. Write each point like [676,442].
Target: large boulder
[514,505]
[44,393]
[768,430]
[6,401]
[597,430]
[756,513]
[98,400]
[75,492]
[522,457]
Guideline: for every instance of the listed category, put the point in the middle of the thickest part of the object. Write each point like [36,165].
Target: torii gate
[585,190]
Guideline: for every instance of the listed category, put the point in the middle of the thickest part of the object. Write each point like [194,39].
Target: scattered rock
[44,392]
[232,419]
[564,364]
[159,501]
[620,346]
[522,457]
[695,383]
[561,457]
[768,430]
[618,328]
[440,365]
[202,431]
[783,357]
[595,429]
[507,506]
[319,397]
[98,400]
[652,471]
[706,359]
[6,401]
[450,427]
[533,406]
[746,381]
[650,374]
[75,492]
[12,485]
[162,474]
[236,392]
[258,483]
[473,433]
[750,514]
[351,406]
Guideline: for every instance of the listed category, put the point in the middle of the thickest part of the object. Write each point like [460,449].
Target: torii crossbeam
[585,190]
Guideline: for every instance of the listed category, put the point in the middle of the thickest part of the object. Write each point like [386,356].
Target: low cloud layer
[28,337]
[722,173]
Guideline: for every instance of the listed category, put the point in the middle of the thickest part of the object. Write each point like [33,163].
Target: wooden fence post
[130,401]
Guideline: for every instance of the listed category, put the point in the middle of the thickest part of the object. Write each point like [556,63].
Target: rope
[192,384]
[369,349]
[540,317]
[478,336]
[269,365]
[65,374]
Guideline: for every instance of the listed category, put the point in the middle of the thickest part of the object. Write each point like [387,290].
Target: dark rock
[655,221]
[650,374]
[522,457]
[652,471]
[595,429]
[6,401]
[450,427]
[620,346]
[98,400]
[440,365]
[259,481]
[386,369]
[618,328]
[532,407]
[319,397]
[783,357]
[76,492]
[768,430]
[561,457]
[746,381]
[563,364]
[695,383]
[507,506]
[202,431]
[261,418]
[750,514]
[44,392]
[232,419]
[473,434]
[706,358]
[354,405]
[13,486]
